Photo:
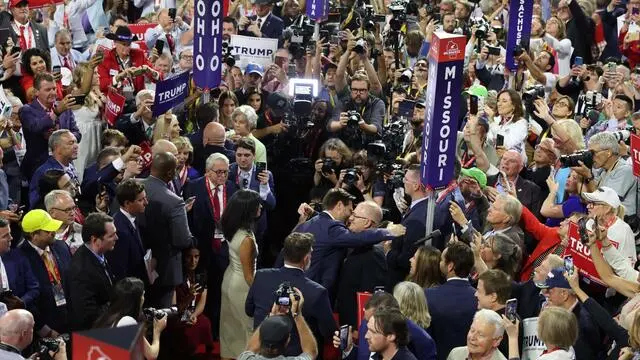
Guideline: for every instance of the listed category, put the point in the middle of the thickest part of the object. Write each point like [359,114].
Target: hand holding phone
[511,309]
[345,333]
[568,264]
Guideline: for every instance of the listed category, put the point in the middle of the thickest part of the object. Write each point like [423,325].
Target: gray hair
[51,199]
[142,93]
[216,157]
[606,141]
[61,32]
[512,207]
[56,138]
[249,114]
[374,210]
[491,317]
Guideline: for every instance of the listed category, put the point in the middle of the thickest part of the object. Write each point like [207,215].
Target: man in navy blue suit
[453,304]
[333,238]
[261,297]
[401,249]
[15,273]
[243,173]
[50,261]
[264,23]
[127,257]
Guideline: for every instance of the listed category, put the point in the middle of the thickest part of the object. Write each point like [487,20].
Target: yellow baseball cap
[39,219]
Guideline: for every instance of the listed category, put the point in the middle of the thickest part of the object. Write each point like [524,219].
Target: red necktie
[216,206]
[66,63]
[170,42]
[23,37]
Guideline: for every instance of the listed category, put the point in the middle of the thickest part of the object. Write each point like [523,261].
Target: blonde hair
[78,73]
[573,129]
[558,327]
[413,303]
[634,332]
[182,143]
[161,130]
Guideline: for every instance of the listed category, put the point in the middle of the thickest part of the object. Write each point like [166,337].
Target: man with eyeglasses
[61,206]
[185,60]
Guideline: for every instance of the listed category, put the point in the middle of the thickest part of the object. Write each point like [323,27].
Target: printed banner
[446,58]
[5,105]
[115,106]
[318,10]
[532,346]
[138,30]
[361,299]
[145,156]
[520,13]
[635,154]
[207,44]
[582,254]
[35,4]
[170,93]
[251,49]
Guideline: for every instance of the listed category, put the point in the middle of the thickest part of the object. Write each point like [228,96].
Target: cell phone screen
[511,309]
[473,105]
[406,108]
[344,336]
[568,264]
[499,140]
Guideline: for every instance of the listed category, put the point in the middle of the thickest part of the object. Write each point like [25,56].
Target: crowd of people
[249,223]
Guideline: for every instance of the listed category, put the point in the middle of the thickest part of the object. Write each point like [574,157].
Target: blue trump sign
[520,14]
[318,10]
[446,62]
[207,43]
[170,93]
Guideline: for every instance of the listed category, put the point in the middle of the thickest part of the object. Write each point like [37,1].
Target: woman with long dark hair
[125,308]
[237,223]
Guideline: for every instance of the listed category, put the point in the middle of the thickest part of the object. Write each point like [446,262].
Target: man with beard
[297,258]
[471,183]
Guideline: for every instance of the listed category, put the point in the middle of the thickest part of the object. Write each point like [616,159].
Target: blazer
[403,248]
[21,280]
[590,344]
[89,288]
[46,312]
[34,186]
[39,32]
[527,192]
[165,222]
[127,257]
[272,27]
[453,302]
[93,179]
[317,310]
[332,239]
[133,131]
[268,204]
[36,126]
[421,345]
[109,67]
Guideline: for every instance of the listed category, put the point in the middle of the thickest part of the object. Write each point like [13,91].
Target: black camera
[50,344]
[354,118]
[584,225]
[482,28]
[592,99]
[283,294]
[227,57]
[519,49]
[351,176]
[396,180]
[622,135]
[571,160]
[399,9]
[328,165]
[533,93]
[359,48]
[152,313]
[298,33]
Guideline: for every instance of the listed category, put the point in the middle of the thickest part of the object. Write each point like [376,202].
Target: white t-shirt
[622,235]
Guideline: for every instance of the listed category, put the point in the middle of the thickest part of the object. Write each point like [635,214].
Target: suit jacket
[165,224]
[109,67]
[268,204]
[590,342]
[21,280]
[363,270]
[36,126]
[527,192]
[47,312]
[89,288]
[133,131]
[39,32]
[317,310]
[453,302]
[34,186]
[272,27]
[93,179]
[332,239]
[127,257]
[421,344]
[200,159]
[403,248]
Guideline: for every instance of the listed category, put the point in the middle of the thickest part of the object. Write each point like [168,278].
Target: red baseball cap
[17,3]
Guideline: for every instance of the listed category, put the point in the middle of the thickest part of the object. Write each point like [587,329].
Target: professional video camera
[149,314]
[50,344]
[482,27]
[369,16]
[571,160]
[399,9]
[283,294]
[385,151]
[298,33]
[396,180]
[228,58]
[529,96]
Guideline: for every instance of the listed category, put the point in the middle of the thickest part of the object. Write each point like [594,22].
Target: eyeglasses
[355,90]
[562,103]
[362,217]
[187,57]
[67,210]
[220,172]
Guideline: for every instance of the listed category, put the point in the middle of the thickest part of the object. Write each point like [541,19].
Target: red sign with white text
[115,106]
[582,254]
[447,47]
[138,30]
[145,157]
[361,300]
[635,154]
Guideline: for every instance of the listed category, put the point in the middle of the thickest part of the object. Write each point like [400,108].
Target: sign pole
[431,208]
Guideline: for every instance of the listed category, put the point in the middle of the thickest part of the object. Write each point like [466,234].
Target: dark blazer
[36,126]
[332,239]
[403,248]
[34,186]
[527,192]
[267,205]
[21,279]
[127,257]
[421,344]
[134,132]
[89,288]
[165,224]
[93,179]
[200,158]
[47,312]
[317,310]
[590,342]
[39,32]
[452,303]
[529,298]
[272,27]
[363,270]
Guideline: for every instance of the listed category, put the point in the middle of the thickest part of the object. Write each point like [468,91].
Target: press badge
[58,294]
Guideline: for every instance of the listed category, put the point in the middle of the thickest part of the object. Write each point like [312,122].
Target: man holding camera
[271,338]
[16,334]
[264,23]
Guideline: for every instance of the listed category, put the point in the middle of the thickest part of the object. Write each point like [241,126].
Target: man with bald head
[364,268]
[213,141]
[16,333]
[164,221]
[166,146]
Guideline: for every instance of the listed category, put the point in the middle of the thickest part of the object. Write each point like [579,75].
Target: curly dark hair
[27,55]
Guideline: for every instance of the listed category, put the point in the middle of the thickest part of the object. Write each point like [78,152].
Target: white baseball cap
[603,195]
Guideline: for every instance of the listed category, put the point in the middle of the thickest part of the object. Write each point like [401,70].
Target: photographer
[367,182]
[271,338]
[16,333]
[334,156]
[582,81]
[125,308]
[615,117]
[537,71]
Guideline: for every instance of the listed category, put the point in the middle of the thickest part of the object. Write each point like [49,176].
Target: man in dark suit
[401,249]
[211,189]
[364,268]
[50,261]
[332,238]
[25,34]
[91,278]
[41,118]
[138,126]
[213,142]
[17,276]
[317,312]
[453,302]
[264,23]
[165,222]
[243,175]
[127,257]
